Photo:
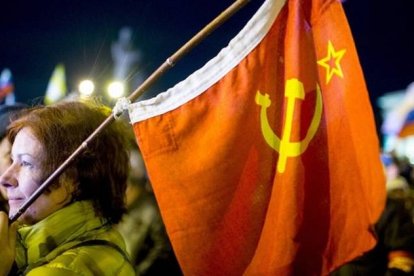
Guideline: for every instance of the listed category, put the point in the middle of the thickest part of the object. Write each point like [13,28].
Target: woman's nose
[8,179]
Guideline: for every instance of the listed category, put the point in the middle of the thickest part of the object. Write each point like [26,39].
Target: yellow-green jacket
[72,241]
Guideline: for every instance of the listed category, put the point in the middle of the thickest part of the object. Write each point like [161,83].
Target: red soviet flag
[266,160]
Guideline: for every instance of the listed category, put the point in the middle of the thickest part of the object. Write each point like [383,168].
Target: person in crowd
[142,227]
[7,114]
[397,185]
[406,170]
[69,229]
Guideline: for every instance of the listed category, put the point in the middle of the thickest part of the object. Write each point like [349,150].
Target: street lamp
[116,89]
[86,87]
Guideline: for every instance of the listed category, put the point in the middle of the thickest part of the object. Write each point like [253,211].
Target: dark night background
[37,35]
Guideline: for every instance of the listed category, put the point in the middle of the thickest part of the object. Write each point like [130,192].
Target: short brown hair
[101,170]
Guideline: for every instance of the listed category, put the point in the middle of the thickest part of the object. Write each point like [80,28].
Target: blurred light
[86,87]
[116,89]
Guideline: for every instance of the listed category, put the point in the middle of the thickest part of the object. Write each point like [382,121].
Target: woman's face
[24,176]
[5,148]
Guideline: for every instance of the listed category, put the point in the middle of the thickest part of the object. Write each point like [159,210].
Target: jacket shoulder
[87,260]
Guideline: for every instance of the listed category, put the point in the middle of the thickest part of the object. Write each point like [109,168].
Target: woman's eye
[26,164]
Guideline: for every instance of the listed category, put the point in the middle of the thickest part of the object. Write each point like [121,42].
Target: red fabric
[407,130]
[400,253]
[228,208]
[6,90]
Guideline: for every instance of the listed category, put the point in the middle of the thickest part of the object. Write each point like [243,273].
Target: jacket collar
[63,227]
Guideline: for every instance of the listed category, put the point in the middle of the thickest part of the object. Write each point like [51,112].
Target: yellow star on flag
[332,62]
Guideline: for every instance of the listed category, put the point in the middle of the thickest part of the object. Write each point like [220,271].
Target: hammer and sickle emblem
[293,90]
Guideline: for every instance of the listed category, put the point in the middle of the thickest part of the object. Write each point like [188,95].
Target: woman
[68,230]
[7,114]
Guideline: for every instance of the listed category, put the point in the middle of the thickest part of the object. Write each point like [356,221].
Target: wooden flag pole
[168,64]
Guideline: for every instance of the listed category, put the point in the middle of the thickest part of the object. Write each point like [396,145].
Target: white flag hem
[215,69]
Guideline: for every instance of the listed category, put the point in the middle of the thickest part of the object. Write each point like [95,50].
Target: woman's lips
[14,200]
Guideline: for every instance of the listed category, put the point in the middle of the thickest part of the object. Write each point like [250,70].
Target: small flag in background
[56,89]
[400,119]
[266,160]
[407,128]
[6,87]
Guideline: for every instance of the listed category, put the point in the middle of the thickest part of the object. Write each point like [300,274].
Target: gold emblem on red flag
[332,62]
[293,90]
